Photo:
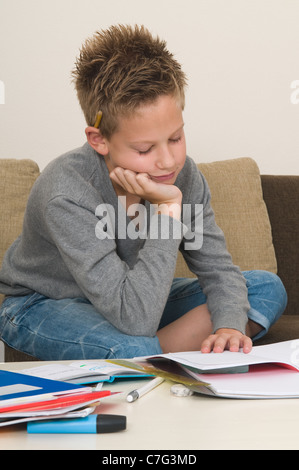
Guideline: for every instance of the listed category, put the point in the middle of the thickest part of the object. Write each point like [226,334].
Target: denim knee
[67,329]
[267,298]
[135,347]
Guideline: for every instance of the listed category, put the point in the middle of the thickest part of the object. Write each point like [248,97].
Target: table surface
[161,421]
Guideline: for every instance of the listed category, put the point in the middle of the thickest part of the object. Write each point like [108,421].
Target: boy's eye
[172,141]
[144,152]
[175,141]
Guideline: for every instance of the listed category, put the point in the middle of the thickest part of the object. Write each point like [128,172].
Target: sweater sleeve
[131,298]
[222,282]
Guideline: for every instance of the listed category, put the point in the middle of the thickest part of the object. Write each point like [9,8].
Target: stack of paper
[24,397]
[270,371]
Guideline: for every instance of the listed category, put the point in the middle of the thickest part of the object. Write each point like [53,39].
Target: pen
[61,401]
[92,424]
[135,394]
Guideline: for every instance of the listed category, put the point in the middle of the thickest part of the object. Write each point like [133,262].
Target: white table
[161,421]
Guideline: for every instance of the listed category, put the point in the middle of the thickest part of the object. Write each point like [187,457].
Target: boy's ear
[96,140]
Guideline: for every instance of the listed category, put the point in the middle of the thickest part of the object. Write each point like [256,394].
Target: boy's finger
[207,344]
[247,344]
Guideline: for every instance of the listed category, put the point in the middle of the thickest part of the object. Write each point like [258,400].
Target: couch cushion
[16,180]
[281,194]
[240,211]
[286,328]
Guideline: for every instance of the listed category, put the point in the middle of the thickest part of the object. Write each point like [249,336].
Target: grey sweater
[60,253]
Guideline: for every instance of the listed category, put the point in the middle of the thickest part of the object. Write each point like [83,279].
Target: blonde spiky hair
[122,68]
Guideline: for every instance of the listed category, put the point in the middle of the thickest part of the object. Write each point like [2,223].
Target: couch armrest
[16,180]
[281,195]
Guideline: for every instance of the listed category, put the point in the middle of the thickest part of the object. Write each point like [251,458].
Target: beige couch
[258,214]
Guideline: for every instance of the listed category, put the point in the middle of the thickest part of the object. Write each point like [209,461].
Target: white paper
[269,381]
[286,352]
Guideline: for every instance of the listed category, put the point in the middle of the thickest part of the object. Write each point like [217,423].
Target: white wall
[241,56]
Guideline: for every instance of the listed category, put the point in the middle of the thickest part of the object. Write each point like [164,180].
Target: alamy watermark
[2,92]
[144,225]
[294,98]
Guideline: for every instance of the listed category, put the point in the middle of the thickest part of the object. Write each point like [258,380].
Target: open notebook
[270,371]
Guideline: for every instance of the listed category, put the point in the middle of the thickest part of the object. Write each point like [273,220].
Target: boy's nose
[165,160]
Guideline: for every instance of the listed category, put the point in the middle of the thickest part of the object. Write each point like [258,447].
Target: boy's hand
[167,196]
[226,338]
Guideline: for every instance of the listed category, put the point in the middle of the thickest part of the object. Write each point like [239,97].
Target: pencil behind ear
[98,120]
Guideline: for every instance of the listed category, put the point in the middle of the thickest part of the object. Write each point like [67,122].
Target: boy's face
[151,141]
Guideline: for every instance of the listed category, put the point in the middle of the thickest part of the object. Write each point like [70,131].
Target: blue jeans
[72,329]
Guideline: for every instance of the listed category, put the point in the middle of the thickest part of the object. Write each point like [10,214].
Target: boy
[79,281]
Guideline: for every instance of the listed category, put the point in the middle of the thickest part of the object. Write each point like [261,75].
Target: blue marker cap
[93,424]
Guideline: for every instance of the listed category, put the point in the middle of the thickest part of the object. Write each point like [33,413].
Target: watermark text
[138,222]
[294,98]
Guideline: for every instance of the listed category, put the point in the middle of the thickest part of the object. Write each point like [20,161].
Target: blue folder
[14,385]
